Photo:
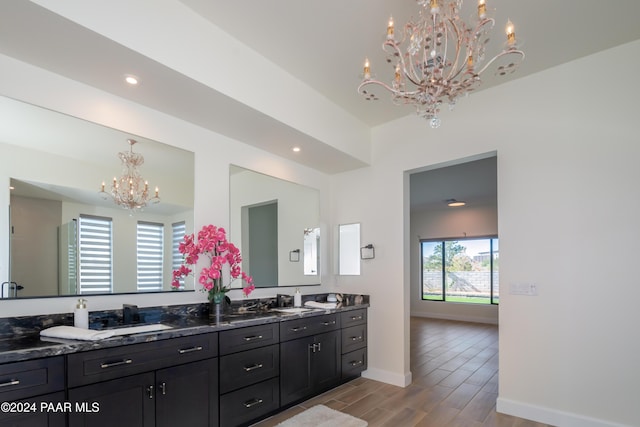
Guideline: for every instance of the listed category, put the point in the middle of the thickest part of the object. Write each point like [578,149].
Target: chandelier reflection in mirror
[442,58]
[130,191]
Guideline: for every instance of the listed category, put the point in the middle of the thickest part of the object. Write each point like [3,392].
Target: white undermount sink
[127,330]
[292,309]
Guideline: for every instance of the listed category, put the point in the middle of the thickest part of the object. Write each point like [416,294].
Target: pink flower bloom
[212,242]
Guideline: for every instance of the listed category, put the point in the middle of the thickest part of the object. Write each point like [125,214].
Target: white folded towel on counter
[324,305]
[73,333]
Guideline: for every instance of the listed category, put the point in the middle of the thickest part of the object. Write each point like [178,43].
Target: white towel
[73,333]
[324,305]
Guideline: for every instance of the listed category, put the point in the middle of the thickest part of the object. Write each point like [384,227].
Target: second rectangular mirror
[271,218]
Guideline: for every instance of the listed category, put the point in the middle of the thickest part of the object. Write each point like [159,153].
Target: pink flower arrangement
[212,242]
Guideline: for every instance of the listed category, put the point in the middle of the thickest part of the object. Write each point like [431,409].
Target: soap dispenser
[297,298]
[81,314]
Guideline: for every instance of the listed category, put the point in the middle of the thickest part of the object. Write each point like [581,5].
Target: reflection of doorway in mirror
[261,258]
[311,251]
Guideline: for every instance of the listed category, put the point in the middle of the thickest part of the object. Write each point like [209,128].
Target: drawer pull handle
[254,337]
[356,338]
[332,322]
[163,388]
[356,363]
[190,350]
[298,328]
[250,403]
[356,317]
[253,367]
[114,364]
[10,383]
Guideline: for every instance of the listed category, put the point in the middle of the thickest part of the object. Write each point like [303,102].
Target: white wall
[470,221]
[567,147]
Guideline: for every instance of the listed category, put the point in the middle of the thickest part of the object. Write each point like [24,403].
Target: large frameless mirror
[64,237]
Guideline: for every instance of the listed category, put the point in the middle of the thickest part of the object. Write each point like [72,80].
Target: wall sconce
[294,255]
[367,252]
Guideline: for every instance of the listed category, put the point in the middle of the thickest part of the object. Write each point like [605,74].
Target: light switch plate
[529,289]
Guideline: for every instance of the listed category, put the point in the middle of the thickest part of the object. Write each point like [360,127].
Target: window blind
[95,254]
[178,230]
[150,237]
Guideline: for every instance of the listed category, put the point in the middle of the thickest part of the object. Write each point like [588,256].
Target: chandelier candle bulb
[390,29]
[482,9]
[511,34]
[367,70]
[435,7]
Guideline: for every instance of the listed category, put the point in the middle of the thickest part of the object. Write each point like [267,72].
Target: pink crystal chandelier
[440,58]
[130,190]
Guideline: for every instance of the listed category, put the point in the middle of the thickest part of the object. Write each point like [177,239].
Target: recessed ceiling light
[11,187]
[296,149]
[455,203]
[131,79]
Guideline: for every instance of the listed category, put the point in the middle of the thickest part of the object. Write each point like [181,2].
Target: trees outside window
[462,270]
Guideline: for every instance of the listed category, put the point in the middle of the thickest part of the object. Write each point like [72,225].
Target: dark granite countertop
[26,346]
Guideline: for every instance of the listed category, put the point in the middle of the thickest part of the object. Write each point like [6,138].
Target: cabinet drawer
[235,340]
[306,326]
[354,363]
[353,317]
[100,365]
[31,378]
[249,367]
[249,403]
[353,338]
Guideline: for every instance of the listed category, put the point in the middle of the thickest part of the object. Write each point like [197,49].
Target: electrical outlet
[529,289]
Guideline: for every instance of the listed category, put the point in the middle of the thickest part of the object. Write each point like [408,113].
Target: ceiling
[321,44]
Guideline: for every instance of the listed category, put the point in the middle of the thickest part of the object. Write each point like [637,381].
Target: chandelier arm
[389,88]
[401,61]
[500,55]
[454,68]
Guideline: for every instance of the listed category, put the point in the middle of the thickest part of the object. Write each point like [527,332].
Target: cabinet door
[127,401]
[295,370]
[188,395]
[326,361]
[50,415]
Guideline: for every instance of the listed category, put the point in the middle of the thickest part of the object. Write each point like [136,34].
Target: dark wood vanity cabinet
[353,342]
[309,364]
[249,373]
[34,393]
[228,378]
[162,383]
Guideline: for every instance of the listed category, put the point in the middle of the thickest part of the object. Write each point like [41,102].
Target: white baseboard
[473,319]
[550,416]
[388,377]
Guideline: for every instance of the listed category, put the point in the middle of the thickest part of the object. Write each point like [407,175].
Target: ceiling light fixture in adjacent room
[131,79]
[455,203]
[296,149]
[441,59]
[130,191]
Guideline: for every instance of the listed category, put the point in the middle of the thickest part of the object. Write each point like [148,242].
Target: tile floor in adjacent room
[455,383]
